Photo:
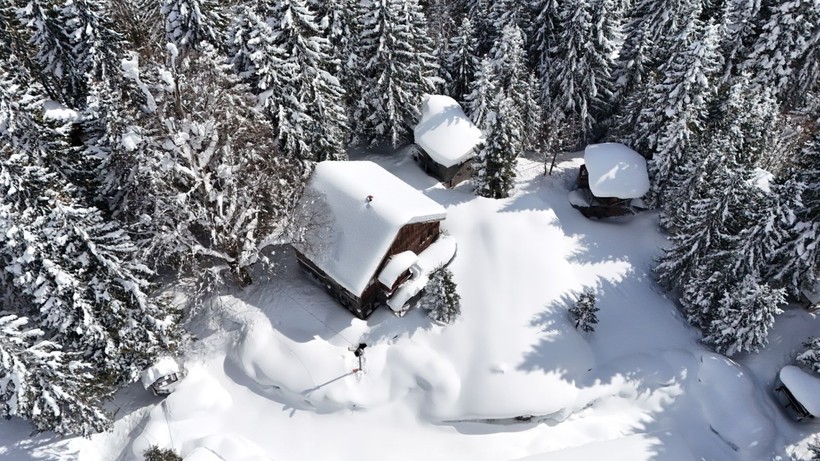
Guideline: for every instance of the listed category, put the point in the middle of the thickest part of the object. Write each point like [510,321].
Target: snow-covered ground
[271,377]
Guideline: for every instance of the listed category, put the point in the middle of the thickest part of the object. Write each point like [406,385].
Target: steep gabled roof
[353,212]
[615,170]
[445,133]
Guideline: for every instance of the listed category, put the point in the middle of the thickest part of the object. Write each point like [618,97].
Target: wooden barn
[369,237]
[447,140]
[611,181]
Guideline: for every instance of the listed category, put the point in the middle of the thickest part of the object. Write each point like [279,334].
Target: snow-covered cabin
[367,236]
[811,296]
[163,376]
[800,390]
[447,140]
[611,181]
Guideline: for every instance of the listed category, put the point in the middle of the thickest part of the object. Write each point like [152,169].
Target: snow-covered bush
[810,357]
[155,453]
[583,312]
[440,299]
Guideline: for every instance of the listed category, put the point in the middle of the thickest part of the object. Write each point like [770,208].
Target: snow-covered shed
[163,376]
[811,296]
[362,231]
[801,391]
[611,181]
[447,140]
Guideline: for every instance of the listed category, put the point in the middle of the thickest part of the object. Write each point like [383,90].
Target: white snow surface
[445,133]
[615,170]
[396,266]
[271,377]
[164,366]
[436,255]
[54,111]
[803,386]
[366,207]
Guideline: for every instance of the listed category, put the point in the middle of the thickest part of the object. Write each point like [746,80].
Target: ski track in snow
[272,376]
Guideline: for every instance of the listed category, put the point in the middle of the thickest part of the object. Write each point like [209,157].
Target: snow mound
[445,133]
[615,170]
[396,266]
[640,447]
[725,391]
[803,386]
[367,206]
[228,447]
[202,395]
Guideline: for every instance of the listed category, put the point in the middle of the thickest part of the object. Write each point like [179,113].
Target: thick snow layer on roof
[53,110]
[437,254]
[366,206]
[396,266]
[615,170]
[813,293]
[761,179]
[445,133]
[803,386]
[164,366]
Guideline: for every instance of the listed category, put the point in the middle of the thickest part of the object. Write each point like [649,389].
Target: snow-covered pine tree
[741,25]
[141,24]
[76,45]
[785,55]
[483,90]
[440,298]
[338,21]
[461,61]
[397,68]
[543,43]
[309,105]
[675,110]
[253,53]
[509,62]
[814,449]
[583,313]
[441,23]
[45,385]
[494,168]
[506,13]
[744,316]
[580,72]
[796,261]
[190,22]
[810,356]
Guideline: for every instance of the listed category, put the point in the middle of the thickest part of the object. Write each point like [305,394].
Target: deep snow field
[271,377]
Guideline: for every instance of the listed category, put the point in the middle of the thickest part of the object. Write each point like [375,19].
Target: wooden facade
[799,411]
[412,237]
[449,176]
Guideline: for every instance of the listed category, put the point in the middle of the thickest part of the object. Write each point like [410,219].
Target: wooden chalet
[799,392]
[365,234]
[611,181]
[447,140]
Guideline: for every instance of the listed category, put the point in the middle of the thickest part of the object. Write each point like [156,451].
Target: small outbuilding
[611,181]
[811,296]
[799,391]
[447,140]
[366,235]
[162,377]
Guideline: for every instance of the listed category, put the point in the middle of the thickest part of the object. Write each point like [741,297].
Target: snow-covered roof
[761,179]
[366,206]
[615,170]
[396,266]
[436,255]
[54,111]
[803,386]
[812,294]
[445,133]
[164,366]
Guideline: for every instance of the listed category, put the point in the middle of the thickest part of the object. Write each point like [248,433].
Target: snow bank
[54,111]
[615,170]
[642,447]
[202,395]
[761,179]
[229,447]
[367,207]
[725,391]
[803,386]
[164,366]
[445,133]
[440,253]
